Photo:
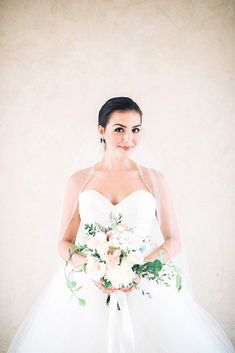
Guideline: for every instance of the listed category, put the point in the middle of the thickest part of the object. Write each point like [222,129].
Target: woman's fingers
[129,289]
[137,278]
[101,286]
[132,287]
[111,289]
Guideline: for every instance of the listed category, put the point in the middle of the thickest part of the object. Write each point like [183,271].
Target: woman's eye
[118,128]
[136,128]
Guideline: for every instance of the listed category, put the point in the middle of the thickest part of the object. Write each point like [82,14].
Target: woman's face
[123,130]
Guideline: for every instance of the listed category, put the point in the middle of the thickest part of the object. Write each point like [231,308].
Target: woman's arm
[168,225]
[70,222]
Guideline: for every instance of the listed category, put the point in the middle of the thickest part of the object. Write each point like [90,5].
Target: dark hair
[117,104]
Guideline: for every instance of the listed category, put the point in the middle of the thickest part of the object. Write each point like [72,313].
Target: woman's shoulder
[79,176]
[159,175]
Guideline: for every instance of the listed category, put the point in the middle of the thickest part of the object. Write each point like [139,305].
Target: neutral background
[60,61]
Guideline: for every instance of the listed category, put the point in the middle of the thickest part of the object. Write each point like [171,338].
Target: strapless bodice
[137,210]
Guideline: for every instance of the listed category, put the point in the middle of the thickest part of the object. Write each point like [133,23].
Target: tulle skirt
[168,322]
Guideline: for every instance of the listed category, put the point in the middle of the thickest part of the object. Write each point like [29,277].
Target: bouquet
[115,257]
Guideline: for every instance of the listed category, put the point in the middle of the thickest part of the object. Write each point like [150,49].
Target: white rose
[95,269]
[121,274]
[130,240]
[112,258]
[102,250]
[135,257]
[113,241]
[96,240]
[125,234]
[121,227]
[122,239]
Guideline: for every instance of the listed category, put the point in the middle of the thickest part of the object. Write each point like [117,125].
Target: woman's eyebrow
[126,126]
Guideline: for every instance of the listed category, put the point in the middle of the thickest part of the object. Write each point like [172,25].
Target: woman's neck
[115,162]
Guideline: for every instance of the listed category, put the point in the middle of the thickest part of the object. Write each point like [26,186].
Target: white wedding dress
[169,322]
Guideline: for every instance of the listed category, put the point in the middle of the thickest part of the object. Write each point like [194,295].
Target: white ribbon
[121,337]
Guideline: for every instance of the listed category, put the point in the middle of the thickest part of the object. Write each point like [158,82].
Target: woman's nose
[126,138]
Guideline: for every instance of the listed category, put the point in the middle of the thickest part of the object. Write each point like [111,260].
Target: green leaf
[179,288]
[107,283]
[154,266]
[78,269]
[178,280]
[82,301]
[72,284]
[78,288]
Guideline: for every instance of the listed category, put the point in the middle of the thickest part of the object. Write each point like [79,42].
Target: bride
[119,319]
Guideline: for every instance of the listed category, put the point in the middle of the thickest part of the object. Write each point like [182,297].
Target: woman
[118,319]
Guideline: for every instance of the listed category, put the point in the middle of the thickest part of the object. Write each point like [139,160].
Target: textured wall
[60,61]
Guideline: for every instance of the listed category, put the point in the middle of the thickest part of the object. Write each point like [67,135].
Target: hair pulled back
[117,104]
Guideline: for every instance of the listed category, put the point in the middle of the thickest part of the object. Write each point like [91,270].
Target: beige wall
[60,61]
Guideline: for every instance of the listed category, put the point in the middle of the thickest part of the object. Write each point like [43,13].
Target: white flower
[113,241]
[134,243]
[102,250]
[124,238]
[121,274]
[121,227]
[97,240]
[130,240]
[109,234]
[135,257]
[112,258]
[95,269]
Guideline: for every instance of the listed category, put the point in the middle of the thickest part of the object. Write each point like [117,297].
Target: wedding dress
[170,321]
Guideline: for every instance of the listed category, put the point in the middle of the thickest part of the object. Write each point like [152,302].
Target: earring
[102,140]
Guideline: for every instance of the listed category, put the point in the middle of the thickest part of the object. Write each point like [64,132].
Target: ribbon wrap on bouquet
[121,337]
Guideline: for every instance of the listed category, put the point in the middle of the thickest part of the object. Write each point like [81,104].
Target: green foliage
[78,288]
[151,267]
[155,270]
[90,228]
[159,271]
[82,302]
[107,283]
[154,267]
[116,219]
[178,282]
[71,284]
[78,248]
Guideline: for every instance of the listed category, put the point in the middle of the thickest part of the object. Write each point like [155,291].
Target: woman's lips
[126,148]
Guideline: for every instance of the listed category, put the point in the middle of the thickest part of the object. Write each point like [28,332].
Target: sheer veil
[165,211]
[89,153]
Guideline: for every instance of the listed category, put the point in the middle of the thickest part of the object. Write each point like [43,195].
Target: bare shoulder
[156,174]
[160,176]
[78,177]
[162,182]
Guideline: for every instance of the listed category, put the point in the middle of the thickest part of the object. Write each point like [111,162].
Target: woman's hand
[101,286]
[132,287]
[111,289]
[78,260]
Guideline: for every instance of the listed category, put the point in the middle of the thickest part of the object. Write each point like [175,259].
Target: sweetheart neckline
[124,199]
